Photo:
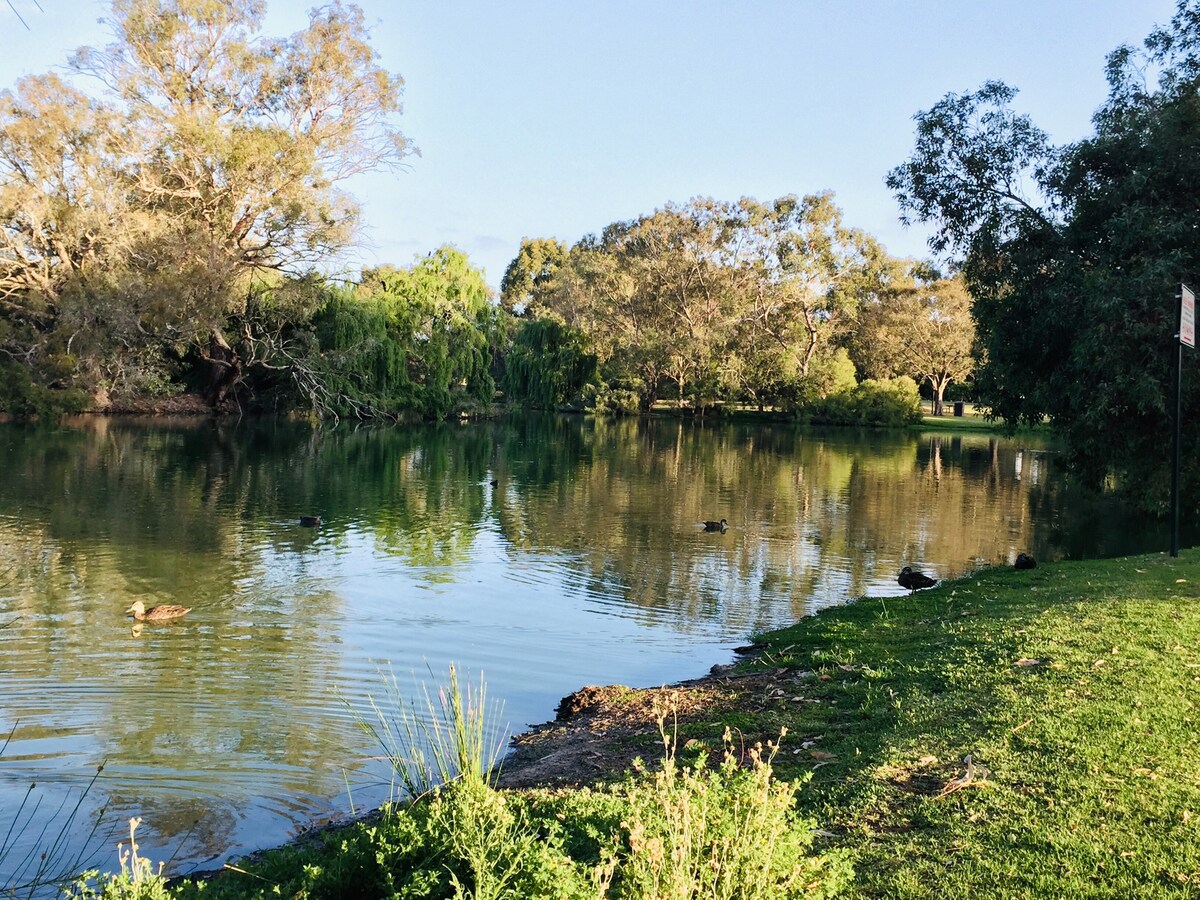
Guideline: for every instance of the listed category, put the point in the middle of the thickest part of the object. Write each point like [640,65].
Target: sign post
[1185,337]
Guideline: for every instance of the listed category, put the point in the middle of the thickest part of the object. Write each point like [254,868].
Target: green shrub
[620,400]
[689,832]
[893,402]
[23,398]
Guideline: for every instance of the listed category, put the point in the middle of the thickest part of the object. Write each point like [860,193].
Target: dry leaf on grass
[973,775]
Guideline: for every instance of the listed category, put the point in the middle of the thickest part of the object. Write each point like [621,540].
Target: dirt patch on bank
[600,731]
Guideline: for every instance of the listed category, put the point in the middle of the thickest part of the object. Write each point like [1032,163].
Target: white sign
[1187,316]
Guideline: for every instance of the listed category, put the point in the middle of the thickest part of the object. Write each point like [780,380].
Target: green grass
[972,421]
[1074,688]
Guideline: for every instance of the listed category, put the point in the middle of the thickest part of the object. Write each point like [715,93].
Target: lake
[540,553]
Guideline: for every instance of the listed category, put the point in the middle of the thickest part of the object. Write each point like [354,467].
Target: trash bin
[958,407]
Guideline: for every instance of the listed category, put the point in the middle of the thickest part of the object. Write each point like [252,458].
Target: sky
[555,118]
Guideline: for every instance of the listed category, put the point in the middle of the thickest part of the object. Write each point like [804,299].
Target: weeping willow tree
[416,340]
[548,364]
[364,369]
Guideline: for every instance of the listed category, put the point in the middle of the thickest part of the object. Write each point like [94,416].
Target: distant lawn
[972,420]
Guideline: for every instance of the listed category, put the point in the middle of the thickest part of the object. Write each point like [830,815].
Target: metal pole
[1177,463]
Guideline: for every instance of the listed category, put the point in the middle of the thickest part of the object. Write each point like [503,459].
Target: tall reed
[455,738]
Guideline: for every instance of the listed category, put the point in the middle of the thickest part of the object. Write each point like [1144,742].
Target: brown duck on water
[157,613]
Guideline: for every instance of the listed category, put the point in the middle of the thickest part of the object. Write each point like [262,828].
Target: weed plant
[725,834]
[137,880]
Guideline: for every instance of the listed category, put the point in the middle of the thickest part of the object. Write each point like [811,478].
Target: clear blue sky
[553,118]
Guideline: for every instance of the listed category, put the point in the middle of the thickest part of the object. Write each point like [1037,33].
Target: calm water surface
[584,563]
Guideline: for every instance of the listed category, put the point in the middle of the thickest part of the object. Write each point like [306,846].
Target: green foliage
[729,833]
[23,398]
[707,301]
[921,327]
[415,340]
[362,364]
[548,365]
[440,313]
[829,375]
[530,275]
[498,851]
[1074,254]
[892,402]
[620,400]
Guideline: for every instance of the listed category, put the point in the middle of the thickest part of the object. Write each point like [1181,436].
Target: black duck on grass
[914,581]
[1025,561]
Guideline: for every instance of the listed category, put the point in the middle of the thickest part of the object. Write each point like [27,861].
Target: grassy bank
[1073,688]
[1011,734]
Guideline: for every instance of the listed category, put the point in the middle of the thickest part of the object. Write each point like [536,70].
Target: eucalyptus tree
[923,329]
[1073,253]
[677,259]
[531,274]
[804,274]
[214,155]
[713,299]
[653,295]
[66,227]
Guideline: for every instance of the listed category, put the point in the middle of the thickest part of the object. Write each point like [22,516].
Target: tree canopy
[211,155]
[710,300]
[171,207]
[1074,253]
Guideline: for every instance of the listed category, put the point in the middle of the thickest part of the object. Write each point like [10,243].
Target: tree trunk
[226,370]
[939,385]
